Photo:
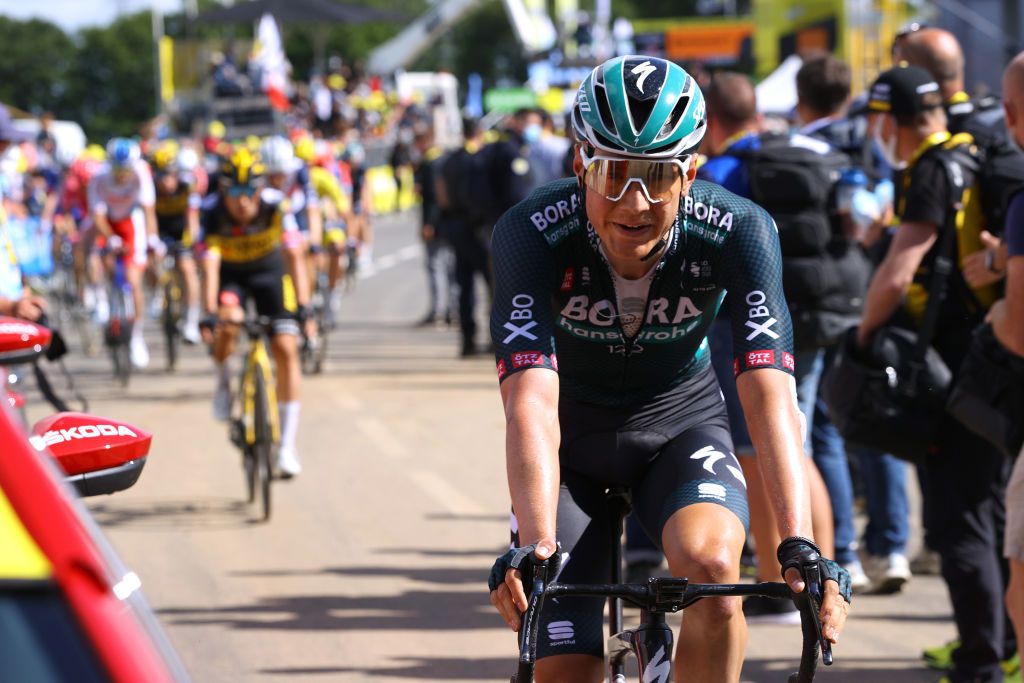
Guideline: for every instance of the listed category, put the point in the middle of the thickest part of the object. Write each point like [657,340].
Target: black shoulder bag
[988,397]
[891,398]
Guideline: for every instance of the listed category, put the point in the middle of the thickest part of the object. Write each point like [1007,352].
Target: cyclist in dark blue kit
[605,287]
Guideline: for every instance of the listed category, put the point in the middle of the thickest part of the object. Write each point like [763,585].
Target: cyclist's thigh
[274,295]
[231,297]
[697,466]
[139,242]
[576,625]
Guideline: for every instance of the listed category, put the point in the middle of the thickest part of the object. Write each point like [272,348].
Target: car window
[40,640]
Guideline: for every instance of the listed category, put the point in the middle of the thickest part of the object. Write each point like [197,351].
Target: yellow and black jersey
[172,211]
[254,246]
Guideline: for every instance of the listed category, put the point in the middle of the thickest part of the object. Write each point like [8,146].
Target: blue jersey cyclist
[605,286]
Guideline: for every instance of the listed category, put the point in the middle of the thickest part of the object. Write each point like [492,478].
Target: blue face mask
[532,133]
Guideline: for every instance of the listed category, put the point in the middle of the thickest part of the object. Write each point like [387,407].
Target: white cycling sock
[223,374]
[137,327]
[192,315]
[289,411]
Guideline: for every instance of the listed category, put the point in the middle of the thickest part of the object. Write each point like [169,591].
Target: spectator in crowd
[733,131]
[938,52]
[439,258]
[966,477]
[548,150]
[511,176]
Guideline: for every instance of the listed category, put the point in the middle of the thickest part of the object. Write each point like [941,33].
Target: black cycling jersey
[555,292]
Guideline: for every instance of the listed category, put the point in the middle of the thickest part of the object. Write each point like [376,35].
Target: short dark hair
[823,83]
[731,98]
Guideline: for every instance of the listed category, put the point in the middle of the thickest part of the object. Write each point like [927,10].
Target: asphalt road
[373,567]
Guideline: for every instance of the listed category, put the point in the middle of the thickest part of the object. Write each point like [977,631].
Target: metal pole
[158,33]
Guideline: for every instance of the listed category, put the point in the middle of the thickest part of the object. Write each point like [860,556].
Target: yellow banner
[166,68]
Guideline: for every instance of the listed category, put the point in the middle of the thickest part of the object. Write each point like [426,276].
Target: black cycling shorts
[271,289]
[671,453]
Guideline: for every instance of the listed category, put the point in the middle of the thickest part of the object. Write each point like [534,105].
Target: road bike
[314,351]
[122,318]
[652,642]
[255,423]
[172,312]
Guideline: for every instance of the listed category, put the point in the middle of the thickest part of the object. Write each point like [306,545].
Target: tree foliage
[37,60]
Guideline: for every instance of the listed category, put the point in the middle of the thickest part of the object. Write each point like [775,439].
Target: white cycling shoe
[139,353]
[222,404]
[288,463]
[190,332]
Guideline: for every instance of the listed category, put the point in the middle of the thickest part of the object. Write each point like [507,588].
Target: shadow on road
[441,575]
[428,668]
[411,610]
[844,671]
[194,514]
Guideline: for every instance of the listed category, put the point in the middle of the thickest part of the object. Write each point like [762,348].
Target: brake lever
[815,595]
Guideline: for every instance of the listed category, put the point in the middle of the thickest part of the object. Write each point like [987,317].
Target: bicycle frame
[258,361]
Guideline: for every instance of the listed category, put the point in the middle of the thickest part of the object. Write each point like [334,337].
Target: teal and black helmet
[640,107]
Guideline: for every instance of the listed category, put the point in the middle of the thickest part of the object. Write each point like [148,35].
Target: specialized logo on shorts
[760,359]
[502,370]
[712,456]
[788,362]
[525,359]
[561,633]
[568,279]
[710,489]
[738,473]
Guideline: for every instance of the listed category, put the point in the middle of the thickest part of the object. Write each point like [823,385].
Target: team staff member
[598,268]
[510,176]
[254,249]
[1008,324]
[965,476]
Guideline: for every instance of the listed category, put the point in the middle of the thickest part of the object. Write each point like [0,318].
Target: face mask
[532,133]
[887,148]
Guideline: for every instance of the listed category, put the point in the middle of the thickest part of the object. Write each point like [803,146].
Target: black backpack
[1002,164]
[468,182]
[825,277]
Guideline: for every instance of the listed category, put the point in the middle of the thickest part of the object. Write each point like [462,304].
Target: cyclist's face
[276,180]
[167,183]
[631,226]
[243,207]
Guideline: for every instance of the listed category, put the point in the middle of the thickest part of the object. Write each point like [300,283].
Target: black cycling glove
[796,552]
[522,559]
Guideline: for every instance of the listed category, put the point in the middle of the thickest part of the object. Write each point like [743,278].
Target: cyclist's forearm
[773,420]
[102,224]
[316,226]
[193,225]
[150,213]
[531,446]
[210,283]
[296,264]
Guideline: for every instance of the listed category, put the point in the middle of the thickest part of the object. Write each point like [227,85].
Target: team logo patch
[788,361]
[760,359]
[567,280]
[526,359]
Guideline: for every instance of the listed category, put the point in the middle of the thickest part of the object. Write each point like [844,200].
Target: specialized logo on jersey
[643,79]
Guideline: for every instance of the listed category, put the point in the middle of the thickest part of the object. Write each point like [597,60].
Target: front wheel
[264,443]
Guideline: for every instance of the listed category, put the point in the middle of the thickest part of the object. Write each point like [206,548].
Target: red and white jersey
[117,201]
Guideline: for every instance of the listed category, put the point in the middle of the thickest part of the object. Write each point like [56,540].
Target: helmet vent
[604,111]
[677,114]
[605,142]
[641,111]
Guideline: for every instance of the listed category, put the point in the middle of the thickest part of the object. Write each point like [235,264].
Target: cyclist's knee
[570,669]
[703,542]
[231,314]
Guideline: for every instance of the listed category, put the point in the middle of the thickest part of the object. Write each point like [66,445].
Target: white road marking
[388,261]
[383,440]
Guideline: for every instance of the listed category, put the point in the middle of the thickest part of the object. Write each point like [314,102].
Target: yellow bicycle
[255,423]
